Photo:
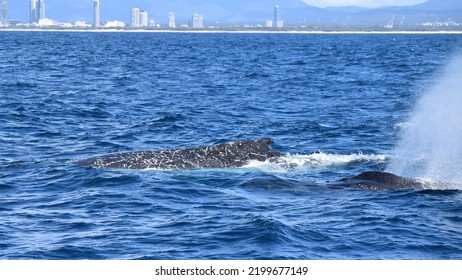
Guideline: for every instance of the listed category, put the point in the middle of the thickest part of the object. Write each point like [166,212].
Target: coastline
[241,31]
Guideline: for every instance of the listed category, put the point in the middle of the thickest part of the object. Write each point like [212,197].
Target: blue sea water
[335,103]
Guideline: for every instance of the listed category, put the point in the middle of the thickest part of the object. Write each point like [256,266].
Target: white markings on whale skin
[231,154]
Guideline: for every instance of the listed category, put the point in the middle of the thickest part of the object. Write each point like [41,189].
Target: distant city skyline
[83,9]
[407,14]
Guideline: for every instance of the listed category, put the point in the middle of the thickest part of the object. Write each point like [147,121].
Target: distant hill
[439,5]
[430,11]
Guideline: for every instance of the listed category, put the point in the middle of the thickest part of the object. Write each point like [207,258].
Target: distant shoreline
[206,31]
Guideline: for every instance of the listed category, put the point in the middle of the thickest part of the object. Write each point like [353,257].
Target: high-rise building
[40,10]
[135,17]
[197,21]
[171,20]
[97,20]
[277,17]
[277,14]
[144,19]
[5,20]
[33,11]
[37,10]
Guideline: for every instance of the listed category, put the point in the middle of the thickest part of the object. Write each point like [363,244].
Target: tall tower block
[171,20]
[40,10]
[135,17]
[277,17]
[4,7]
[33,11]
[97,21]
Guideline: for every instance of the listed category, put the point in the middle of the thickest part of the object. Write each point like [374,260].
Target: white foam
[320,160]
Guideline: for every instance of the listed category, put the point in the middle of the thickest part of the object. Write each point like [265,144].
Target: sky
[362,3]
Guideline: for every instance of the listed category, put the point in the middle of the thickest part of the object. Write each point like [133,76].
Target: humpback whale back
[376,180]
[230,154]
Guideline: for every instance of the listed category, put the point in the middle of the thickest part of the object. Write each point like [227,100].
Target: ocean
[335,104]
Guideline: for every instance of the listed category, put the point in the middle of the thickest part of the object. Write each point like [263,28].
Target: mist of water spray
[431,143]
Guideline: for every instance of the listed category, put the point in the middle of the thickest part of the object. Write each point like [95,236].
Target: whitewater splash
[301,163]
[431,142]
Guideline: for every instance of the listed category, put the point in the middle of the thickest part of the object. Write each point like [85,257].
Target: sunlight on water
[301,163]
[431,141]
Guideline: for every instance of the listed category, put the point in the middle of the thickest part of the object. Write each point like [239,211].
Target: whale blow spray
[431,144]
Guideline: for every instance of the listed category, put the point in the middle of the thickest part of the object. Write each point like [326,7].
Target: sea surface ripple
[334,103]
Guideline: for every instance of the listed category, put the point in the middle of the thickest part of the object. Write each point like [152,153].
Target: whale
[237,154]
[224,155]
[377,180]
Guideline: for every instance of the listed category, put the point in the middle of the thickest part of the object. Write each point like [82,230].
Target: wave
[319,160]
